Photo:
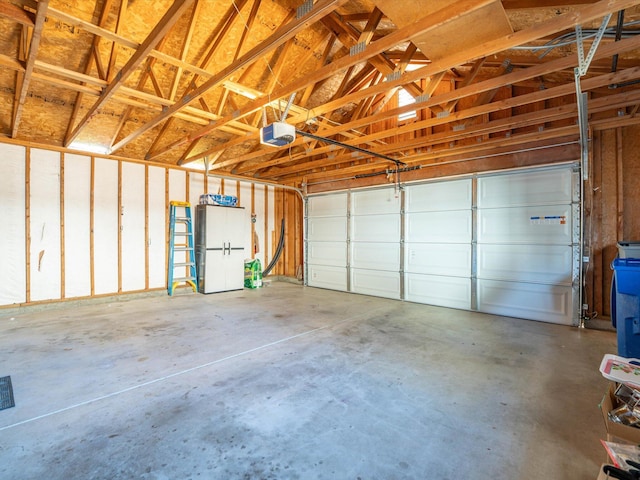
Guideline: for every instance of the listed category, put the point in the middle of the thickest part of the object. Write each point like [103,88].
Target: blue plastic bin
[625,305]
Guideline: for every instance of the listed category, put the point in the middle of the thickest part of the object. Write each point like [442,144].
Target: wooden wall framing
[133,198]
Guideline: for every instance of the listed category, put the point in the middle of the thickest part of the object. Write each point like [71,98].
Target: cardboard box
[616,430]
[602,475]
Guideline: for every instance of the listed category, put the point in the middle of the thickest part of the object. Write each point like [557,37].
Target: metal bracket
[583,63]
[581,71]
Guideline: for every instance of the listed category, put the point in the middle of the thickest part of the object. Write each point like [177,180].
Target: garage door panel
[547,303]
[544,187]
[439,196]
[376,256]
[327,253]
[439,227]
[327,205]
[370,202]
[375,282]
[323,276]
[452,292]
[327,229]
[526,263]
[438,259]
[534,225]
[376,228]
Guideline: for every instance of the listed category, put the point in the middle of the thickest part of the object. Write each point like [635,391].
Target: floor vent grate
[6,393]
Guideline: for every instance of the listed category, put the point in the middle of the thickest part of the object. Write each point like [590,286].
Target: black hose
[279,250]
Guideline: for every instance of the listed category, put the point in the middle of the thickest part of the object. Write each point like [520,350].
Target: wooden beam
[463,153]
[520,4]
[159,31]
[28,71]
[16,14]
[428,23]
[184,49]
[280,36]
[111,67]
[521,37]
[446,138]
[217,35]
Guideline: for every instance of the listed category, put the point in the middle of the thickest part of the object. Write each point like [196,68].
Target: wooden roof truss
[188,81]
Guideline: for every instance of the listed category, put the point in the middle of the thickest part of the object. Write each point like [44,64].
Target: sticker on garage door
[548,220]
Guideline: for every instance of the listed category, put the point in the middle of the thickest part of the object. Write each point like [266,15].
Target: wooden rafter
[146,73]
[449,138]
[322,8]
[431,22]
[16,14]
[184,49]
[159,31]
[477,111]
[122,16]
[21,93]
[94,56]
[217,35]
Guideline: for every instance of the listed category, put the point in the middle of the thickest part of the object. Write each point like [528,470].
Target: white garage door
[375,242]
[438,238]
[502,243]
[326,243]
[527,250]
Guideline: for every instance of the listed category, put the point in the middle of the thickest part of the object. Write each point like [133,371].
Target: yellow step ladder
[181,240]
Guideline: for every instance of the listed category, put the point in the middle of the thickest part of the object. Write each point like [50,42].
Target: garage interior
[438,188]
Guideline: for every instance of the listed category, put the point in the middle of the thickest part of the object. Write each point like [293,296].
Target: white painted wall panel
[452,292]
[439,227]
[196,187]
[327,253]
[543,187]
[105,226]
[230,187]
[12,225]
[379,201]
[45,254]
[439,196]
[326,229]
[375,282]
[526,263]
[547,303]
[133,233]
[214,185]
[177,185]
[550,224]
[323,276]
[77,225]
[376,228]
[438,259]
[327,205]
[157,228]
[376,256]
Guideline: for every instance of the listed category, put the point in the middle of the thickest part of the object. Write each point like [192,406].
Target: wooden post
[120,212]
[91,224]
[146,227]
[62,262]
[27,223]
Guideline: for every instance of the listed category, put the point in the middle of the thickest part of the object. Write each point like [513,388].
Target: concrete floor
[288,382]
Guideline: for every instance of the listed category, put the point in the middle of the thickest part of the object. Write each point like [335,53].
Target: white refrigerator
[220,253]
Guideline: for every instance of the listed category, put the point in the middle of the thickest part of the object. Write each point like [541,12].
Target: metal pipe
[350,147]
[480,157]
[258,182]
[614,61]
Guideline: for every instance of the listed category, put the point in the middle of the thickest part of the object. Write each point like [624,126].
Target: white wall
[98,226]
